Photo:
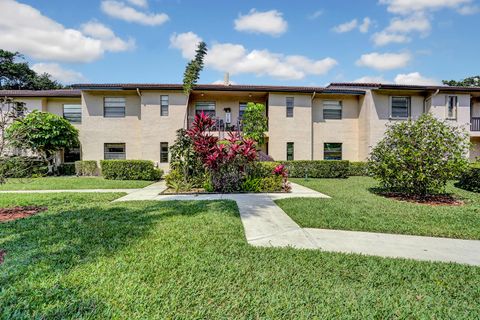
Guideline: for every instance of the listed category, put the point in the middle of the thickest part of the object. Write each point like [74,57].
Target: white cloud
[346,27]
[58,73]
[315,15]
[267,22]
[109,41]
[383,38]
[236,59]
[121,11]
[139,3]
[415,78]
[468,10]
[33,34]
[409,6]
[365,25]
[371,79]
[223,82]
[416,23]
[384,61]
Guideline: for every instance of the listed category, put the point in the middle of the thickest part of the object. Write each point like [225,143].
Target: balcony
[475,124]
[220,125]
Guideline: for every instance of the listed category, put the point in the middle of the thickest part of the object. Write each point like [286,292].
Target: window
[332,109]
[400,107]
[163,106]
[290,103]
[114,107]
[290,151]
[114,151]
[208,108]
[73,112]
[71,155]
[452,104]
[163,152]
[243,107]
[332,151]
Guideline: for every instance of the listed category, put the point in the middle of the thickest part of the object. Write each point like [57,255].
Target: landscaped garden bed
[14,213]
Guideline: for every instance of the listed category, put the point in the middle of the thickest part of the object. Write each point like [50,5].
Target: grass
[354,207]
[87,258]
[58,183]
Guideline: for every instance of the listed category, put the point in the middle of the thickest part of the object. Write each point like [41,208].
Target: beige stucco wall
[439,108]
[297,129]
[34,103]
[97,130]
[343,130]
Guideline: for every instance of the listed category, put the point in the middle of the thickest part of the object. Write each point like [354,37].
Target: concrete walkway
[267,225]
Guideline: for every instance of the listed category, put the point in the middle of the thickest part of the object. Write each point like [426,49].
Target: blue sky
[267,42]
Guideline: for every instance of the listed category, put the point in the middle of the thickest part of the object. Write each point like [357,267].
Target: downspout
[431,99]
[185,120]
[311,126]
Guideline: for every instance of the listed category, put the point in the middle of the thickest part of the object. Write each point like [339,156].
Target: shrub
[22,167]
[358,169]
[86,168]
[267,184]
[470,179]
[258,169]
[317,168]
[262,156]
[419,157]
[66,169]
[130,170]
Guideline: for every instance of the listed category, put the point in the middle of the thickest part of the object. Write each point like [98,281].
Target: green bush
[258,169]
[419,157]
[22,167]
[357,169]
[264,184]
[86,168]
[130,170]
[470,179]
[67,169]
[317,168]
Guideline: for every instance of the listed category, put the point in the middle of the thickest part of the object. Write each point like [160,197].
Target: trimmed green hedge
[22,167]
[317,168]
[470,179]
[86,168]
[130,170]
[67,169]
[357,169]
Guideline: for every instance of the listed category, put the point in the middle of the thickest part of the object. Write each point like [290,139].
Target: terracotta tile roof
[67,93]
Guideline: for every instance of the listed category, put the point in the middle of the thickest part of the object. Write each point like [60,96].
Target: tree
[419,157]
[254,122]
[193,68]
[184,159]
[467,82]
[17,75]
[44,134]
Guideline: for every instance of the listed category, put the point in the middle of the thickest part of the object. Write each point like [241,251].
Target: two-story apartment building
[341,121]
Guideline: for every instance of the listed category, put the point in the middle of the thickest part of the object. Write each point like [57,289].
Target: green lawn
[86,258]
[57,183]
[354,207]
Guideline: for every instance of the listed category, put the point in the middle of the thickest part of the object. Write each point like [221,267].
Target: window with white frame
[242,108]
[72,112]
[332,151]
[208,108]
[400,107]
[114,151]
[332,109]
[164,106]
[114,107]
[452,105]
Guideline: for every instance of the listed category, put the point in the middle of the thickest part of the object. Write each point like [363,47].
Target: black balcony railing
[475,124]
[220,124]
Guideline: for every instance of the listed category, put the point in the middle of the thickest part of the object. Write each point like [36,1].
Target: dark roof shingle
[64,93]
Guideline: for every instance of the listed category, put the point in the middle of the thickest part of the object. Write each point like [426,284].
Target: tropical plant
[419,157]
[193,68]
[44,134]
[255,122]
[185,160]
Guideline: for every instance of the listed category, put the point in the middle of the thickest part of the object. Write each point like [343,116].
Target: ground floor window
[332,151]
[114,151]
[71,155]
[163,152]
[290,151]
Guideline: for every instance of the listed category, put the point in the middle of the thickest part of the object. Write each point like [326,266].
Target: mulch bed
[432,200]
[9,214]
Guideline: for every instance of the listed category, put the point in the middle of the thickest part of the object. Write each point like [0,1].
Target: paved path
[267,225]
[72,191]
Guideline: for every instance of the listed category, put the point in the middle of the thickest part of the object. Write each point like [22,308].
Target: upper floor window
[332,151]
[290,151]
[400,107]
[452,104]
[114,151]
[114,107]
[242,108]
[290,103]
[332,109]
[208,108]
[73,112]
[164,106]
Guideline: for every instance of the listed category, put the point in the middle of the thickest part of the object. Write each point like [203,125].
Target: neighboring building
[341,121]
